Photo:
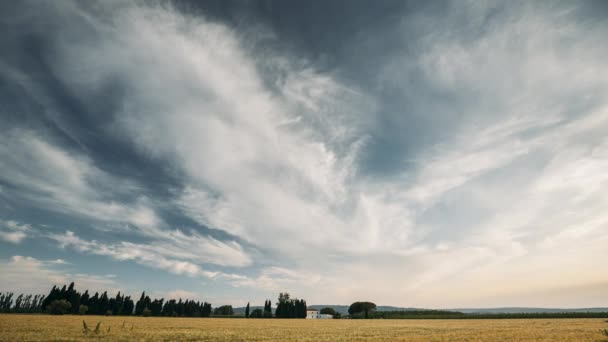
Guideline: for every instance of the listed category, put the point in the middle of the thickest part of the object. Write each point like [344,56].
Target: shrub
[257,313]
[109,313]
[147,312]
[224,310]
[82,309]
[59,307]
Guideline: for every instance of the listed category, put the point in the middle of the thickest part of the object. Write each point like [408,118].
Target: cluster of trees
[268,309]
[68,300]
[259,313]
[146,306]
[286,308]
[21,304]
[290,308]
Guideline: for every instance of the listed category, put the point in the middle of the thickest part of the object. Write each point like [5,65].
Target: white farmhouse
[314,314]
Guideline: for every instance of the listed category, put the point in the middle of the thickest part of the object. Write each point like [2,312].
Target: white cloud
[69,182]
[252,168]
[175,256]
[66,181]
[14,232]
[23,274]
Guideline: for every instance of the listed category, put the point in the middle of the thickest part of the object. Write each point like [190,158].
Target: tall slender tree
[139,306]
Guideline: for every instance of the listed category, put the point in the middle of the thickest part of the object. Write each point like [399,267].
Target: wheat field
[70,328]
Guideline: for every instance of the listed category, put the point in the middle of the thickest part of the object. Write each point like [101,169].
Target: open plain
[70,328]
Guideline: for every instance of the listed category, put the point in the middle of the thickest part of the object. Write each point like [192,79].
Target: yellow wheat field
[69,328]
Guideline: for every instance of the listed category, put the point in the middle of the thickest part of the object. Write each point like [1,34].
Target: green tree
[361,307]
[59,307]
[257,313]
[224,310]
[247,311]
[139,306]
[268,309]
[82,309]
[328,311]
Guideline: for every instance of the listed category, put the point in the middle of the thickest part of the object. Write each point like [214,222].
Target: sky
[432,154]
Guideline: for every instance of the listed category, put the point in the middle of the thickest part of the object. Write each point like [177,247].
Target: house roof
[312,310]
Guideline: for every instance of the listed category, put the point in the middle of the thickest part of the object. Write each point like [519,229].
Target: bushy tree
[257,313]
[361,307]
[59,307]
[82,309]
[224,310]
[328,311]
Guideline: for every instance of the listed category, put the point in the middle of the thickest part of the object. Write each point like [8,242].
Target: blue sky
[446,154]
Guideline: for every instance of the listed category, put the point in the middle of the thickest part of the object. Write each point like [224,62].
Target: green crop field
[70,328]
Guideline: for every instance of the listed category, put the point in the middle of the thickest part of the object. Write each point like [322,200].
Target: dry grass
[70,328]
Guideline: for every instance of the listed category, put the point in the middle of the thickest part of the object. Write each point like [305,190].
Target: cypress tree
[247,311]
[139,308]
[128,306]
[53,295]
[84,299]
[62,292]
[104,303]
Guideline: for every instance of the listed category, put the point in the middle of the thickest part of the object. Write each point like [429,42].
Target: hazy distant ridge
[343,309]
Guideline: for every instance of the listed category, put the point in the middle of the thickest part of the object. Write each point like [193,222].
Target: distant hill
[343,309]
[528,310]
[241,310]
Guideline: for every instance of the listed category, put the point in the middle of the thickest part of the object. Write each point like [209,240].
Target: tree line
[22,304]
[67,300]
[145,306]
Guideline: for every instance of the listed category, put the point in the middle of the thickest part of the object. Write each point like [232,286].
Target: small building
[314,314]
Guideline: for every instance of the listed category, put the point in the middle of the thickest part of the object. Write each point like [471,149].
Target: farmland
[70,328]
